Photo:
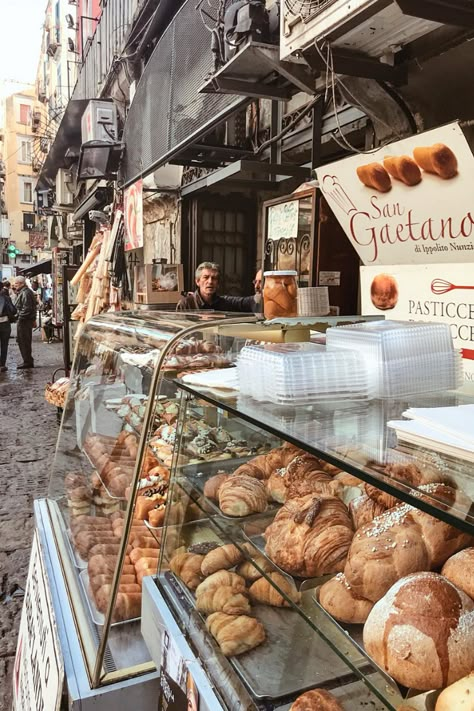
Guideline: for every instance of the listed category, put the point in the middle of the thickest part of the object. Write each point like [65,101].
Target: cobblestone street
[28,432]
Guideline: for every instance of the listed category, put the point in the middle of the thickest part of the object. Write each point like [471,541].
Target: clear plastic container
[280,294]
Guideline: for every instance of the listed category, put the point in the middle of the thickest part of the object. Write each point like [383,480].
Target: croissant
[235,635]
[187,566]
[263,466]
[364,509]
[250,572]
[241,495]
[213,484]
[263,591]
[221,558]
[310,536]
[220,579]
[301,479]
[223,599]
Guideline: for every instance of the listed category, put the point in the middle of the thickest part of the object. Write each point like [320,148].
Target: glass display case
[160,463]
[263,556]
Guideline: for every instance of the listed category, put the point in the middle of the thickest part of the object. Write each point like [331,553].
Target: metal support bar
[276,121]
[357,65]
[316,134]
[240,87]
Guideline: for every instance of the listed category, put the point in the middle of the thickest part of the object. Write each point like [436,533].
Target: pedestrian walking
[7,315]
[26,305]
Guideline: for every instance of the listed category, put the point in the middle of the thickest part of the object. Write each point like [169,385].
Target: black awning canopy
[43,267]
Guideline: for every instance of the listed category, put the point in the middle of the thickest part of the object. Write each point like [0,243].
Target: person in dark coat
[26,305]
[206,297]
[7,312]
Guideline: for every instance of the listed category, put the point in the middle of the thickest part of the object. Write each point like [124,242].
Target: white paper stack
[447,430]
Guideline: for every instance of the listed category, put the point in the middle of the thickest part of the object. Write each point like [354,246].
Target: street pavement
[28,433]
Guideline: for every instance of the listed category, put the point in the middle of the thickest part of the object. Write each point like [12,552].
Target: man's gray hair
[20,280]
[207,265]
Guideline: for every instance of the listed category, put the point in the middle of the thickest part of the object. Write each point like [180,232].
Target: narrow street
[28,432]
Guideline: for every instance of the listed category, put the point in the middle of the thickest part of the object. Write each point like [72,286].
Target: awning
[67,139]
[43,267]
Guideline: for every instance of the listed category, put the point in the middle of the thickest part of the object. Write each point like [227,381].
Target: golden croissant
[220,579]
[235,635]
[221,558]
[223,599]
[264,592]
[187,566]
[242,495]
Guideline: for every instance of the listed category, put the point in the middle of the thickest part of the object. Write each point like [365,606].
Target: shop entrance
[223,230]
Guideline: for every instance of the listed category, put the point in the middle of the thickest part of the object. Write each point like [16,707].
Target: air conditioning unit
[375,28]
[99,122]
[64,195]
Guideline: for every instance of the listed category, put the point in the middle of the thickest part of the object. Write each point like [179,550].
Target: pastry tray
[292,659]
[97,617]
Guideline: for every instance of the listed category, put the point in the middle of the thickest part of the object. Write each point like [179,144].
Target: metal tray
[97,617]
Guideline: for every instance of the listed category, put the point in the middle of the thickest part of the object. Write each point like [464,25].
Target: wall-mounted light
[70,45]
[71,24]
[99,159]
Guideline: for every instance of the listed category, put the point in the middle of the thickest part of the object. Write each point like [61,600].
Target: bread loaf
[235,635]
[401,541]
[338,598]
[316,700]
[310,536]
[459,569]
[459,696]
[422,632]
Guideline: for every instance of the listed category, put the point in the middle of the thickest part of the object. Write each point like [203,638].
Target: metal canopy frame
[249,174]
[448,12]
[256,71]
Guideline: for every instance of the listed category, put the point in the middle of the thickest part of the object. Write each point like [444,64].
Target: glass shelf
[354,436]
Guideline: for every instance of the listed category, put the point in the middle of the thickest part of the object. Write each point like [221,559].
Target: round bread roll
[338,598]
[459,569]
[384,292]
[422,632]
[459,696]
[316,700]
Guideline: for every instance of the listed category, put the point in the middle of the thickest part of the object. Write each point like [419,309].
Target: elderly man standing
[26,305]
[206,296]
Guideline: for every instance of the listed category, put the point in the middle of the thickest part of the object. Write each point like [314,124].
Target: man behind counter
[206,296]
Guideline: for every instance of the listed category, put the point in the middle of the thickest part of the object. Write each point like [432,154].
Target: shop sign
[38,672]
[436,292]
[424,223]
[283,220]
[178,691]
[133,209]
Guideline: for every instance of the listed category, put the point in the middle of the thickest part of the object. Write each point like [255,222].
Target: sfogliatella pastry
[310,536]
[338,598]
[241,495]
[316,700]
[235,635]
[422,632]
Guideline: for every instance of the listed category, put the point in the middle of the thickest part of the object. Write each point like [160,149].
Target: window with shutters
[25,150]
[25,114]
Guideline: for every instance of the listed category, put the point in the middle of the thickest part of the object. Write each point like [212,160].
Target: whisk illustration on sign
[441,286]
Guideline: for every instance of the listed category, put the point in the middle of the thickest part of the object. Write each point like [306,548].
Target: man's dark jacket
[193,301]
[26,305]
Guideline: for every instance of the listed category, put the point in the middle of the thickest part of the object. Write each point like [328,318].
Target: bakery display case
[100,524]
[328,568]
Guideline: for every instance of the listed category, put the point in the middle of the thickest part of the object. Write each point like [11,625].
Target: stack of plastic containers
[402,357]
[301,373]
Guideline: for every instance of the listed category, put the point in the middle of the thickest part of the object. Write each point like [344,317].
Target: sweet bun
[316,700]
[458,697]
[384,292]
[422,632]
[459,569]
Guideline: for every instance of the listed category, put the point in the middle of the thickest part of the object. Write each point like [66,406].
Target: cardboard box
[158,283]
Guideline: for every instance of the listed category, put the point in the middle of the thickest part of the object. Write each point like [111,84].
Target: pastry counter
[332,571]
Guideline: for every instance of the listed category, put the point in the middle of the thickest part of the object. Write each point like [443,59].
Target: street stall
[207,527]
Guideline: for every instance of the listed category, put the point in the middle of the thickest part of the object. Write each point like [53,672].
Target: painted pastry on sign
[384,292]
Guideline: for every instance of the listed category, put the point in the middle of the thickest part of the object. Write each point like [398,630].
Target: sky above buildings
[21,23]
